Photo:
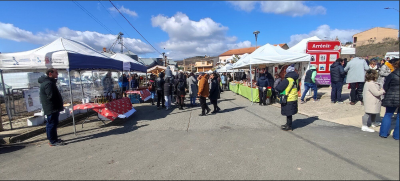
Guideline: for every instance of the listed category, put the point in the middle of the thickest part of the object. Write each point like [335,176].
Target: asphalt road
[244,141]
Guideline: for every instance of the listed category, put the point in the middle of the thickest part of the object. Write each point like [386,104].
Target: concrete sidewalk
[345,114]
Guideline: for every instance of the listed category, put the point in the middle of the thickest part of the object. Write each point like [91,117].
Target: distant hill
[378,49]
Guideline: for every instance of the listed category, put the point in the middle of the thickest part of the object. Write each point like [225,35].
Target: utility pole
[121,41]
[1,120]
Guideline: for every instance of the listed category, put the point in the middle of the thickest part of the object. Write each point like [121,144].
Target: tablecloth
[145,93]
[119,108]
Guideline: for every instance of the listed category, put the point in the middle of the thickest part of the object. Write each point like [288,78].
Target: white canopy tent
[227,68]
[269,54]
[302,45]
[130,64]
[62,54]
[272,55]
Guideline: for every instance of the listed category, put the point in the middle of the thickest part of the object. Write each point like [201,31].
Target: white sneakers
[365,128]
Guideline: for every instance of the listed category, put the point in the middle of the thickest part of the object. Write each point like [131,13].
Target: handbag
[284,97]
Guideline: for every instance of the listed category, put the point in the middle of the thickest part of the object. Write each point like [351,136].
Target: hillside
[378,49]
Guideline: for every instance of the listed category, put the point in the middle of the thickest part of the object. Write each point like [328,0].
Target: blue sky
[187,28]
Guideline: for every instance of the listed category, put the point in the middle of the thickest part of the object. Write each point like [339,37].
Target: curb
[40,130]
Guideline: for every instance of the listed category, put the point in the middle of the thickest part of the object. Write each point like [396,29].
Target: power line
[134,27]
[88,13]
[114,18]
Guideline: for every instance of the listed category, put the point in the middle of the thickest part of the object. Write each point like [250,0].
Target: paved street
[244,141]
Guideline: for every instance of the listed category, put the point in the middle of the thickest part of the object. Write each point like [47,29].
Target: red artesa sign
[323,45]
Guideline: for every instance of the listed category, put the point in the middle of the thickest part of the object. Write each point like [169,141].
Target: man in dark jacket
[262,84]
[52,104]
[160,90]
[180,86]
[214,92]
[337,78]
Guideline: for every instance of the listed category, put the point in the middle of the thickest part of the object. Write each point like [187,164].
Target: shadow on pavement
[8,149]
[299,123]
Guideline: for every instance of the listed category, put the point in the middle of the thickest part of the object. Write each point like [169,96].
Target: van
[392,55]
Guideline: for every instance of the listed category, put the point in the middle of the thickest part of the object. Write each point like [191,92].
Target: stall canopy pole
[5,99]
[72,104]
[93,80]
[80,78]
[251,85]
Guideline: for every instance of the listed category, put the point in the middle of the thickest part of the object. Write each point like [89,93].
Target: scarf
[374,68]
[390,66]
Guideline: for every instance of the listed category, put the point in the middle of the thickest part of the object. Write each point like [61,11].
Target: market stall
[156,69]
[267,57]
[61,54]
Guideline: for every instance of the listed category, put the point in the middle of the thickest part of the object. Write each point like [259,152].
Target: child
[372,100]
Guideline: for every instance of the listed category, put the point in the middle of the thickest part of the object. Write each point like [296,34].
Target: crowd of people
[373,84]
[168,87]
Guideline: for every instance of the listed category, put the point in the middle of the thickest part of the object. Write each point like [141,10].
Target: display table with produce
[244,90]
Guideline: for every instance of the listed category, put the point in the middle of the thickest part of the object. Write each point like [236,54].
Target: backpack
[181,85]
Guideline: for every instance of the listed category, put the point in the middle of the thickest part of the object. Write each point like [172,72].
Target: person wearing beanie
[288,87]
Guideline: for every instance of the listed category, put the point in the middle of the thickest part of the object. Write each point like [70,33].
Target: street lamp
[398,34]
[251,76]
[392,8]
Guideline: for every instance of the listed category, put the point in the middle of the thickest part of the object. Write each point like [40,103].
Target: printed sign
[323,45]
[332,57]
[323,79]
[313,58]
[322,67]
[322,58]
[32,100]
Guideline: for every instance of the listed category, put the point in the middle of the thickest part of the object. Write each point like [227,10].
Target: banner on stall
[32,100]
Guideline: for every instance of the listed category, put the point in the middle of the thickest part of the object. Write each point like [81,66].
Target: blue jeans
[192,100]
[387,121]
[51,127]
[336,93]
[308,86]
[167,101]
[153,94]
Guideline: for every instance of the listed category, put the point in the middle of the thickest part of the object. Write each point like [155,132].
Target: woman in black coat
[214,92]
[391,101]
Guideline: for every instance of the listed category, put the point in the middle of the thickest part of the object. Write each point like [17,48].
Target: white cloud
[93,39]
[124,10]
[290,8]
[194,38]
[247,6]
[325,32]
[391,26]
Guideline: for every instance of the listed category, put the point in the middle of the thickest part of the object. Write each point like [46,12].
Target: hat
[290,68]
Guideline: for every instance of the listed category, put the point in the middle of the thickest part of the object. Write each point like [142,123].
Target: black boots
[286,128]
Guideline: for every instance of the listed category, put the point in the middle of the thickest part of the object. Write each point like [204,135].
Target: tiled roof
[239,51]
[281,44]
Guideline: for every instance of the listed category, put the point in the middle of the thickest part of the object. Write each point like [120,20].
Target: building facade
[374,35]
[226,57]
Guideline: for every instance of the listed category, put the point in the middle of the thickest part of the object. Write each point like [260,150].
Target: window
[203,63]
[355,40]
